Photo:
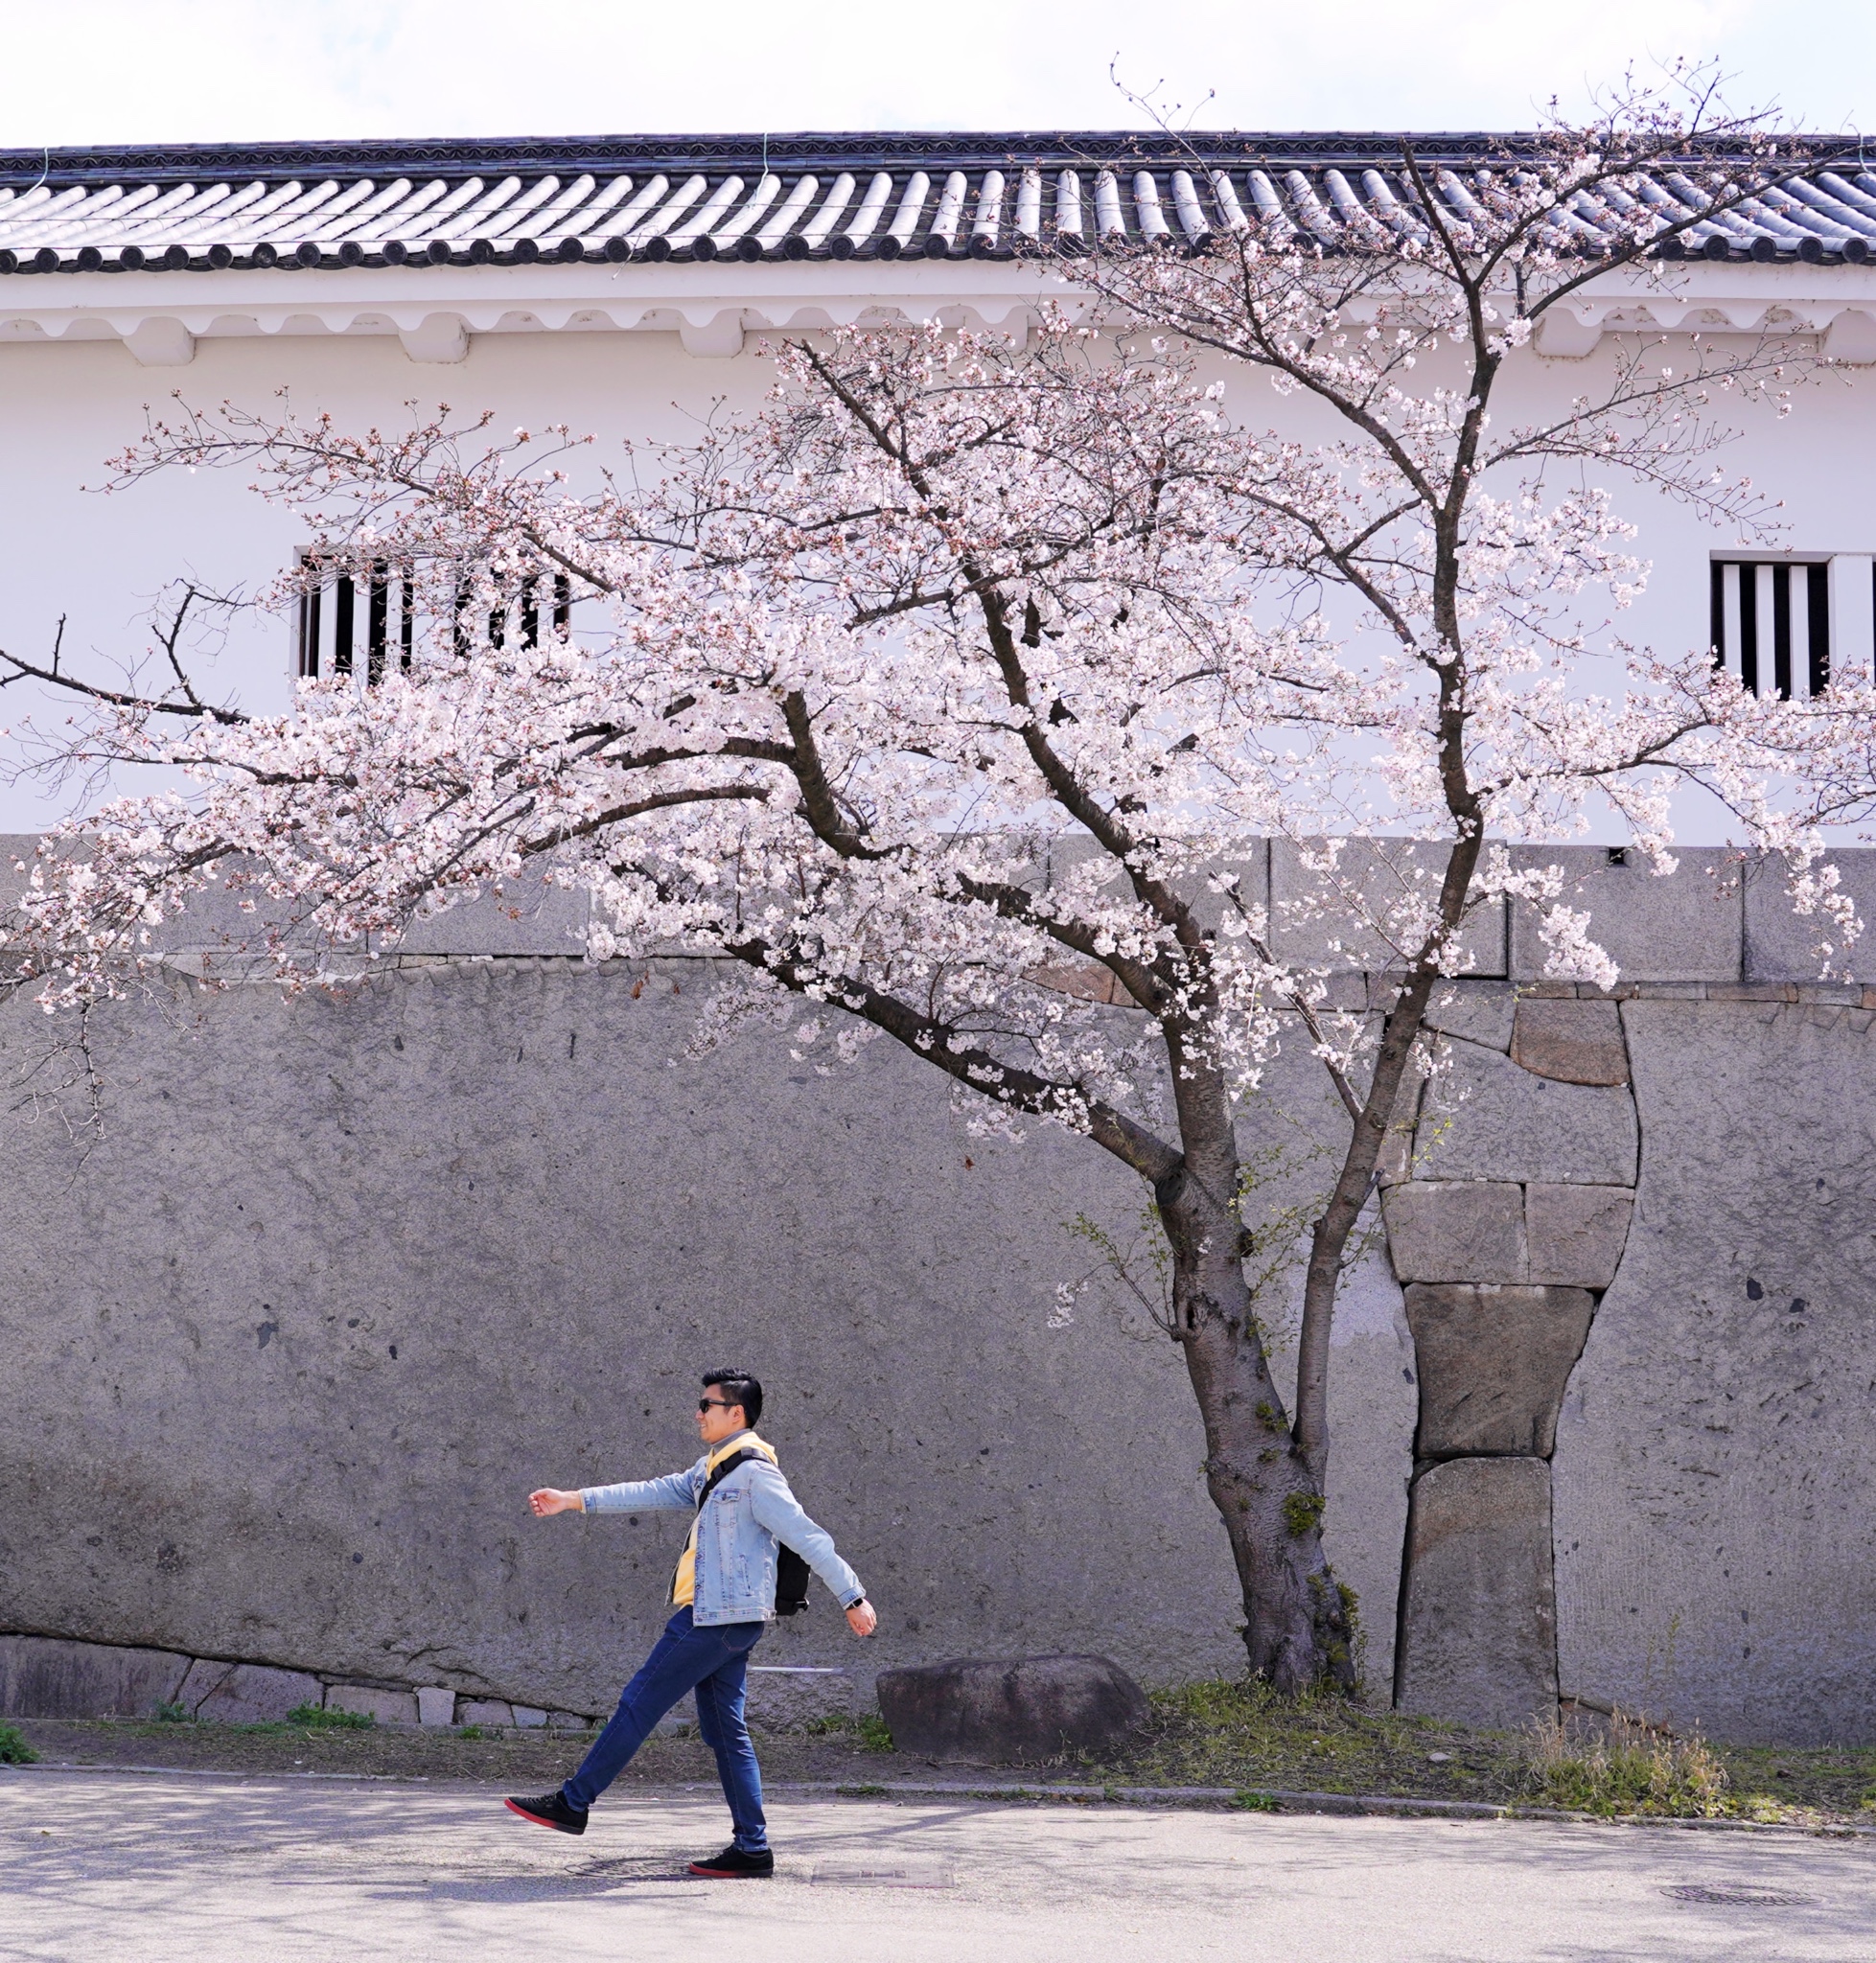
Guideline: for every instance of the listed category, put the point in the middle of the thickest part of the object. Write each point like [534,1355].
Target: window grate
[326,640]
[1770,624]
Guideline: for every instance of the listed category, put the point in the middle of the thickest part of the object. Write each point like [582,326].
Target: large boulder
[994,1713]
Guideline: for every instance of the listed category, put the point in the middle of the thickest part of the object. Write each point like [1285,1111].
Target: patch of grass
[15,1750]
[1627,1766]
[870,1730]
[317,1718]
[469,1731]
[1799,1783]
[173,1714]
[1256,1802]
[1245,1737]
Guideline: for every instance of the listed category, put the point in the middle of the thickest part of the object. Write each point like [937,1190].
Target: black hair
[738,1387]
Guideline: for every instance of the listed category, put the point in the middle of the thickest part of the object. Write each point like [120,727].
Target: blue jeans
[713,1662]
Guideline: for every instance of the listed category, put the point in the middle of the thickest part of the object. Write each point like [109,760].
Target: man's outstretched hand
[550,1500]
[861,1619]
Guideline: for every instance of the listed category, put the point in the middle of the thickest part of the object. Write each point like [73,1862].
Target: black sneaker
[732,1865]
[550,1809]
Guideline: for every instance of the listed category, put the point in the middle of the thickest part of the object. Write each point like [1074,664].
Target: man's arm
[676,1490]
[774,1507]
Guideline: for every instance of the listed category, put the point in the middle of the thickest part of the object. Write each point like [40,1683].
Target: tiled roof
[838,197]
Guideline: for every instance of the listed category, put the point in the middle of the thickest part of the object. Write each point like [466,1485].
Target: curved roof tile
[302,206]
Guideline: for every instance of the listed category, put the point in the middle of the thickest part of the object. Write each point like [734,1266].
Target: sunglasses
[714,1404]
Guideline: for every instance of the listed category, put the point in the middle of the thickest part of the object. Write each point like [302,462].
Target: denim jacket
[750,1510]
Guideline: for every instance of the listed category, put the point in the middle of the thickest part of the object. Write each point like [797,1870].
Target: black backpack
[791,1570]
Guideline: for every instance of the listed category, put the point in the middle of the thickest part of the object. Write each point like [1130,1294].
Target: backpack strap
[729,1466]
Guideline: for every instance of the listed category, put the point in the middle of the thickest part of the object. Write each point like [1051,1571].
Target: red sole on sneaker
[536,1820]
[732,1874]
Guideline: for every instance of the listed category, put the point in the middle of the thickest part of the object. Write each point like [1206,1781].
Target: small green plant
[1628,1768]
[14,1747]
[869,1728]
[317,1718]
[173,1714]
[1256,1802]
[471,1731]
[875,1734]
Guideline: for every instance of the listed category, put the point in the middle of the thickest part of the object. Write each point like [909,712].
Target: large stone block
[1493,1364]
[785,1698]
[386,1707]
[495,1711]
[247,1693]
[1714,1463]
[44,1677]
[1475,1011]
[1457,1230]
[17,852]
[1784,945]
[1484,1117]
[1683,926]
[1478,1625]
[1358,917]
[988,1713]
[1248,868]
[1572,1042]
[436,1704]
[524,915]
[1576,1234]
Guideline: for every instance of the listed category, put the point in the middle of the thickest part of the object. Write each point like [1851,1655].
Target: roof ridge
[779,150]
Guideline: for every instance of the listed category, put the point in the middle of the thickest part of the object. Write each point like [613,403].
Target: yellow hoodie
[683,1585]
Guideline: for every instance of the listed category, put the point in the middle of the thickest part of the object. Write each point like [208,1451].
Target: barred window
[368,615]
[328,640]
[1772,624]
[525,614]
[1784,626]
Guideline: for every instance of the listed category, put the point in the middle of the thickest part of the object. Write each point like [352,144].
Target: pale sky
[130,71]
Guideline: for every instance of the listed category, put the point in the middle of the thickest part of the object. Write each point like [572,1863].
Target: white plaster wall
[67,405]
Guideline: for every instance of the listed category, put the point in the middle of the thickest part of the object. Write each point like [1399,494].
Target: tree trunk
[1298,1625]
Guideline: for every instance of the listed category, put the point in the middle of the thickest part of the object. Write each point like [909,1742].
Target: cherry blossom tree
[936,700]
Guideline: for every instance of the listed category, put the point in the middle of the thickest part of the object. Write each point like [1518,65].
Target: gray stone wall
[345,1274]
[1715,1467]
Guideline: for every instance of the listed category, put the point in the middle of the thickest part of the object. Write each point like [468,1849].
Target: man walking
[721,1595]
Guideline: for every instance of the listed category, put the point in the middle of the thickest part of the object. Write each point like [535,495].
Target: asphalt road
[162,1868]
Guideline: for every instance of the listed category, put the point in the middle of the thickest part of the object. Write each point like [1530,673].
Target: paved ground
[167,1868]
